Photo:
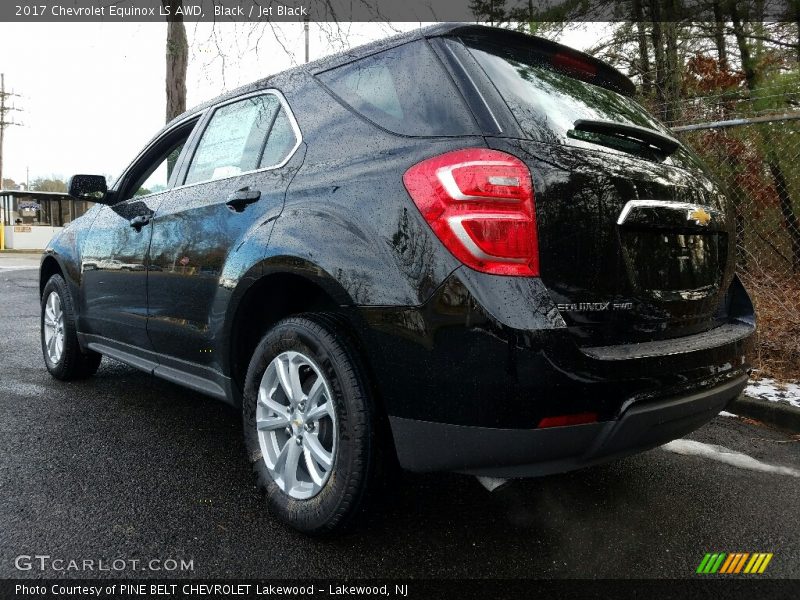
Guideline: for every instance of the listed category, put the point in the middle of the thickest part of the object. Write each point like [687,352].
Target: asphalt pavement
[126,466]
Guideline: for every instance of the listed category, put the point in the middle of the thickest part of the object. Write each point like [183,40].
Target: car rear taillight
[479,203]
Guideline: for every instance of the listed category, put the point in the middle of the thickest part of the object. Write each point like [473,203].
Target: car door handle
[138,222]
[239,199]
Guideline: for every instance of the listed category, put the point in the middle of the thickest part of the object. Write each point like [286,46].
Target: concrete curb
[778,414]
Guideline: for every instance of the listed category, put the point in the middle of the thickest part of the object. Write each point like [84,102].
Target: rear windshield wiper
[626,133]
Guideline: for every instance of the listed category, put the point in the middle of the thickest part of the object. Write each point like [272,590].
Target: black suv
[463,249]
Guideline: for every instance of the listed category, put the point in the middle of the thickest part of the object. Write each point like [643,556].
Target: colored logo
[699,216]
[734,563]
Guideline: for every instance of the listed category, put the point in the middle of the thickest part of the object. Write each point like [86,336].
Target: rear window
[405,90]
[546,100]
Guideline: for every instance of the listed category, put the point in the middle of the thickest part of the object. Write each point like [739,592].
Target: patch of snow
[725,413]
[772,391]
[727,456]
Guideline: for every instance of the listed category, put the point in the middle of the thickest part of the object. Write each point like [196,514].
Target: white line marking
[727,456]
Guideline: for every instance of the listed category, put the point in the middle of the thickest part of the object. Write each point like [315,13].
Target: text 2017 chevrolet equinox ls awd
[465,249]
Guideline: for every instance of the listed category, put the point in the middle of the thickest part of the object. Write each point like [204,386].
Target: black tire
[332,509]
[73,363]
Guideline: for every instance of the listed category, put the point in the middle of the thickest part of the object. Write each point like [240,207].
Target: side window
[158,178]
[281,141]
[151,174]
[233,141]
[405,90]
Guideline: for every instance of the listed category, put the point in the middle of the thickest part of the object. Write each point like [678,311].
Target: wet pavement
[128,466]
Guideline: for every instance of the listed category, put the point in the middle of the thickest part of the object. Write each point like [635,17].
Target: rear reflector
[479,203]
[563,420]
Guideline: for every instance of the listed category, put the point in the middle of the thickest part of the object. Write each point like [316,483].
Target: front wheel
[308,424]
[63,356]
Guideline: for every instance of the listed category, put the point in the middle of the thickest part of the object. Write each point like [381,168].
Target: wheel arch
[303,287]
[49,267]
[276,289]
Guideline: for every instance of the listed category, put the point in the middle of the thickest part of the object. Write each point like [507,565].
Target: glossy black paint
[183,281]
[500,348]
[587,257]
[87,187]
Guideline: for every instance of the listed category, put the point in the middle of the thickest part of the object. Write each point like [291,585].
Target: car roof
[623,83]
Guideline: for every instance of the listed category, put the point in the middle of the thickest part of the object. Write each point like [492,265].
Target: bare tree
[177,54]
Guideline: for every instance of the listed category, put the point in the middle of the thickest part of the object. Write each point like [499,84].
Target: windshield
[546,100]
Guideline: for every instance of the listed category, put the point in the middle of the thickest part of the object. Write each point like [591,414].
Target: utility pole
[305,28]
[4,110]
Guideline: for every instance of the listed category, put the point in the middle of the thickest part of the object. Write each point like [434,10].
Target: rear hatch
[634,236]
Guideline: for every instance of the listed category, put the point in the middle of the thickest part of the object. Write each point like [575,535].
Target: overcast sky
[93,93]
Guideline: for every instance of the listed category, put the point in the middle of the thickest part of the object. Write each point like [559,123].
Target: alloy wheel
[296,423]
[54,328]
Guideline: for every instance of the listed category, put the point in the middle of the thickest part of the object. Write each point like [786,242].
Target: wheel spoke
[271,404]
[56,306]
[319,412]
[316,475]
[315,393]
[294,380]
[289,470]
[282,370]
[280,461]
[317,452]
[270,423]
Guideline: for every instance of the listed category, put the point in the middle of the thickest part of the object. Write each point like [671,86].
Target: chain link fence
[757,159]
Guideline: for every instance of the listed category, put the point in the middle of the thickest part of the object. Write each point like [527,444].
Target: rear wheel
[62,354]
[308,425]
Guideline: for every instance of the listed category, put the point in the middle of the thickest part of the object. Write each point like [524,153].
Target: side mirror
[88,187]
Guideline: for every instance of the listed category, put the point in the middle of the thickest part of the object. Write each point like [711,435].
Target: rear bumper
[467,377]
[428,446]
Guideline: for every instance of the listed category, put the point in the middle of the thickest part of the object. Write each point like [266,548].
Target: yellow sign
[22,229]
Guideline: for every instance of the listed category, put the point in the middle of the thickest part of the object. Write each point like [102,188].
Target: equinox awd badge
[594,306]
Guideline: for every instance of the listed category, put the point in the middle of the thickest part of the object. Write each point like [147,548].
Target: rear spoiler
[575,63]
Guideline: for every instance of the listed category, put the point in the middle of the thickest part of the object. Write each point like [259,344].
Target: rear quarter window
[405,90]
